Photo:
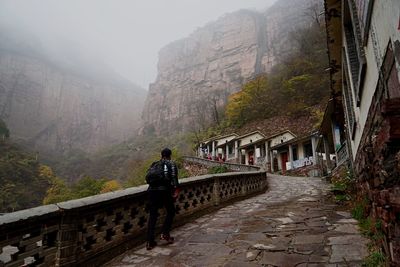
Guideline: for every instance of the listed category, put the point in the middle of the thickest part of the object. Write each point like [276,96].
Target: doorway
[284,159]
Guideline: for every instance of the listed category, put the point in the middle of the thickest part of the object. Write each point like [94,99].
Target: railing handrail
[69,230]
[227,164]
[44,210]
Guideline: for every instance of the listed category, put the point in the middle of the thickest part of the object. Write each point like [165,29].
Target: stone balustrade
[90,231]
[230,166]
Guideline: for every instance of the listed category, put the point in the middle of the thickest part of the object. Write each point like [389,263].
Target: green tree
[23,180]
[293,87]
[247,104]
[87,186]
[58,192]
[109,186]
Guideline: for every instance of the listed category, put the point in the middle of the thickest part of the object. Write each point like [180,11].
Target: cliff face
[58,110]
[197,74]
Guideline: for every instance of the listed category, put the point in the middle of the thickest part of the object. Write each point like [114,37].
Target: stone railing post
[67,241]
[244,187]
[216,191]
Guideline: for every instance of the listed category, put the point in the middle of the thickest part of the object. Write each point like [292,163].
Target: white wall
[384,23]
[225,139]
[254,137]
[282,137]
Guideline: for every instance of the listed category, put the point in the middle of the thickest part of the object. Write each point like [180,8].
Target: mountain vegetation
[293,87]
[26,183]
[23,180]
[59,191]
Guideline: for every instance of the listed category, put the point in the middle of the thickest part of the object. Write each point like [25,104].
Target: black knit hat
[166,153]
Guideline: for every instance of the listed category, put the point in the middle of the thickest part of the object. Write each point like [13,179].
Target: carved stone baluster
[216,191]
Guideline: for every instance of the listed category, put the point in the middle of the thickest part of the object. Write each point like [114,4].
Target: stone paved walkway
[292,224]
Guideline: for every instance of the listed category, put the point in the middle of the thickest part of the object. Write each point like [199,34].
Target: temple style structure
[280,152]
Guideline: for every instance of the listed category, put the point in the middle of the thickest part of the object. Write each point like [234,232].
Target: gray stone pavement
[293,224]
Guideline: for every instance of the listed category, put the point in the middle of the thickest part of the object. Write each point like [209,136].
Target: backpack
[156,174]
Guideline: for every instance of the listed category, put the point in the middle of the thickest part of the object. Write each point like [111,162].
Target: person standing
[162,178]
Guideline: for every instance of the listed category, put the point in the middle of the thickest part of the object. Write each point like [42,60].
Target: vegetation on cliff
[23,180]
[26,183]
[85,187]
[293,87]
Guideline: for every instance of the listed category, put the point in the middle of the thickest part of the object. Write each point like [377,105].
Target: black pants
[159,199]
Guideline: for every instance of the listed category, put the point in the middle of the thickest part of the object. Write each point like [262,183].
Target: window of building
[295,152]
[308,150]
[364,11]
[354,49]
[348,100]
[230,149]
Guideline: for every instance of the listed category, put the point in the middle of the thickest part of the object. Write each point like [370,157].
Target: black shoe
[167,238]
[150,245]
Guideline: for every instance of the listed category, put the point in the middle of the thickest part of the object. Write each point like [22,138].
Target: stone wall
[229,166]
[93,230]
[377,162]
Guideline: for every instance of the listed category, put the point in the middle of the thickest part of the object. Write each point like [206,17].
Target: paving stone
[202,255]
[318,259]
[157,251]
[346,253]
[285,220]
[308,239]
[134,259]
[346,239]
[283,259]
[346,228]
[251,237]
[307,199]
[317,249]
[240,264]
[316,223]
[348,221]
[220,238]
[345,214]
[252,255]
[312,265]
[277,246]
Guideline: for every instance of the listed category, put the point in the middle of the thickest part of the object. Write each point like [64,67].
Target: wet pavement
[293,224]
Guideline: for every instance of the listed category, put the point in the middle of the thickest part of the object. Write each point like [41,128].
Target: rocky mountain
[197,74]
[61,104]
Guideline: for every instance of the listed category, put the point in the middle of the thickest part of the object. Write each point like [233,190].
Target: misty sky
[126,34]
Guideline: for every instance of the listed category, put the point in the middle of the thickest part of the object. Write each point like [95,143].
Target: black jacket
[171,172]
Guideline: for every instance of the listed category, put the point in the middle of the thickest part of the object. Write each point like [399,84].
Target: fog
[125,34]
